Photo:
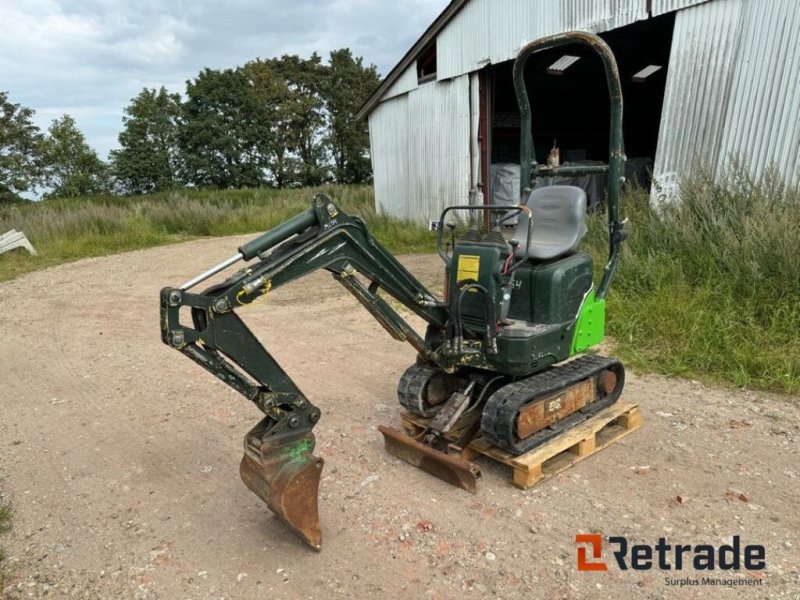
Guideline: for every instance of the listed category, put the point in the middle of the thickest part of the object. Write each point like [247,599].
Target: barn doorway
[571,109]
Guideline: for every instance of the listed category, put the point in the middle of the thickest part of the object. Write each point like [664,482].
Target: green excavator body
[519,300]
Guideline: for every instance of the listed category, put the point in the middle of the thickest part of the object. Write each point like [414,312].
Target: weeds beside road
[709,287]
[63,230]
[5,527]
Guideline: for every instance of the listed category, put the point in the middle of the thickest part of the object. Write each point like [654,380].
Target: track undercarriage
[514,414]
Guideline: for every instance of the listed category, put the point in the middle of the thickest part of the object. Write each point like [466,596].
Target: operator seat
[559,222]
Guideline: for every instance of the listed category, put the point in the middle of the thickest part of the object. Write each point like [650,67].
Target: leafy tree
[20,150]
[71,166]
[285,121]
[224,128]
[274,147]
[347,86]
[148,160]
[298,120]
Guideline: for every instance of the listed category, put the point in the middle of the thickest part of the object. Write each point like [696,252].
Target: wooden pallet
[551,458]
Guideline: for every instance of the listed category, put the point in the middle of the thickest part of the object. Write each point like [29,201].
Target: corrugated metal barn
[703,80]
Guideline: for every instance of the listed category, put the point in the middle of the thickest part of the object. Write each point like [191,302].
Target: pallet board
[551,458]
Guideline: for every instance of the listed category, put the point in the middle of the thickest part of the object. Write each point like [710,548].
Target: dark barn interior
[570,101]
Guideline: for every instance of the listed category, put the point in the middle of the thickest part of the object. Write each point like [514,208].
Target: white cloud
[162,45]
[88,58]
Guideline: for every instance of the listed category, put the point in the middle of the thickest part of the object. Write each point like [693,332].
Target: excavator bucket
[285,474]
[452,469]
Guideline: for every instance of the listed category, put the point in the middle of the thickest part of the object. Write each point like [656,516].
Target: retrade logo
[667,557]
[595,542]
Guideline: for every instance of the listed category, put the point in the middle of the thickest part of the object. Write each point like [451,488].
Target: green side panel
[477,262]
[591,326]
[551,292]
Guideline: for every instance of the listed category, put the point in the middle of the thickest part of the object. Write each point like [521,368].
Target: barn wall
[662,7]
[704,44]
[493,31]
[388,136]
[421,134]
[733,89]
[421,150]
[405,83]
[762,122]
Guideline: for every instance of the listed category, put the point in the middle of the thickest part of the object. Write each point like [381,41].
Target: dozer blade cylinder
[285,474]
[452,469]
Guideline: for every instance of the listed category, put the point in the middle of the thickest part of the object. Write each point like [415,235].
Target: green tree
[347,86]
[284,122]
[274,146]
[148,160]
[71,166]
[298,118]
[20,150]
[224,129]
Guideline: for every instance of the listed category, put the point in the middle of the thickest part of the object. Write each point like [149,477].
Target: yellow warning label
[468,267]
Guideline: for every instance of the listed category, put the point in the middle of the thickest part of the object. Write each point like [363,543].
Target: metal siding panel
[405,83]
[601,15]
[733,87]
[492,31]
[438,150]
[733,90]
[455,54]
[762,123]
[704,43]
[388,133]
[474,128]
[517,23]
[661,7]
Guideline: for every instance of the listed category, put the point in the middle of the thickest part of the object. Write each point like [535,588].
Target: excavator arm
[279,464]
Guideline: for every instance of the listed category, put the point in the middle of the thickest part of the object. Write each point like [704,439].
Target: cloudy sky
[88,58]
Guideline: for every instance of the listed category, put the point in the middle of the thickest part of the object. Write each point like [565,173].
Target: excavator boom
[278,463]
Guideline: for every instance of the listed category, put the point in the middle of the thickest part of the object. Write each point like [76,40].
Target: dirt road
[121,459]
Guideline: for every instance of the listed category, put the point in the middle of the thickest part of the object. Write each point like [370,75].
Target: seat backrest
[559,222]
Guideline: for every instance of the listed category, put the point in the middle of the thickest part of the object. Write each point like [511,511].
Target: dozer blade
[285,474]
[452,469]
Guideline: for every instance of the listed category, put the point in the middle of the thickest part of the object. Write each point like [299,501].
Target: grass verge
[63,230]
[5,527]
[709,287]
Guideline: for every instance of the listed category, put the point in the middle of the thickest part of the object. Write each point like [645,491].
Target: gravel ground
[121,459]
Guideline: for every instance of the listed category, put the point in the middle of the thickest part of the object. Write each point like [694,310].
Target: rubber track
[411,387]
[499,421]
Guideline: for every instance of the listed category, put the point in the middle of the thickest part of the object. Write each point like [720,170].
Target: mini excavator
[494,357]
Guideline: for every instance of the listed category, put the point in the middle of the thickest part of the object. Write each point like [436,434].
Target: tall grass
[68,229]
[5,527]
[709,286]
